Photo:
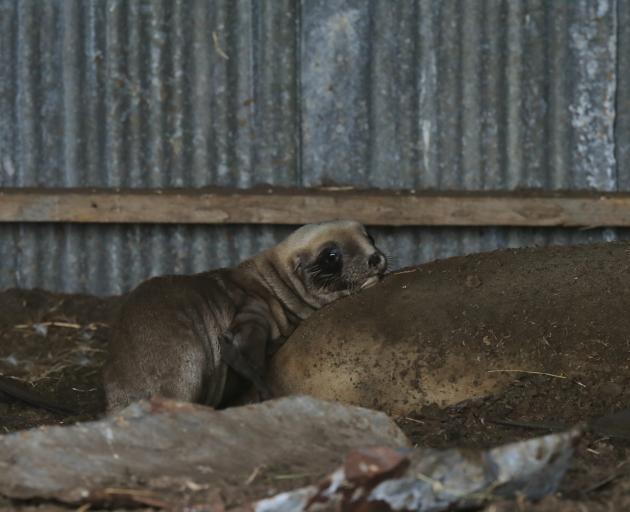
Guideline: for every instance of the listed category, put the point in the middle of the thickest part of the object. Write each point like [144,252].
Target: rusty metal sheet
[382,479]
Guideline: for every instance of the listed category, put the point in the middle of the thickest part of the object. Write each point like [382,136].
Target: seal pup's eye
[330,260]
[326,270]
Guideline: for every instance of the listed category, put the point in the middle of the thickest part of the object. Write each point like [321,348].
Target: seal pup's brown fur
[194,338]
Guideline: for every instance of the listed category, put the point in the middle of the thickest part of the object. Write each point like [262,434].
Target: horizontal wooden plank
[300,206]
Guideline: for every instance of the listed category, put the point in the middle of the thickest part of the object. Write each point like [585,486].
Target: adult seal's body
[199,338]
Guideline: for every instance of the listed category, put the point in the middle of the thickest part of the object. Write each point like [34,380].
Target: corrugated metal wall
[479,94]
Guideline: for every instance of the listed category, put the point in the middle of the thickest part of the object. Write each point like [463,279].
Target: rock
[382,479]
[165,452]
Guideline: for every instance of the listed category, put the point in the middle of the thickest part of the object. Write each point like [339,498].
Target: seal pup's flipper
[232,356]
[17,390]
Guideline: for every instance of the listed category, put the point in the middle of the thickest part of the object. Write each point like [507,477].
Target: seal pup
[200,338]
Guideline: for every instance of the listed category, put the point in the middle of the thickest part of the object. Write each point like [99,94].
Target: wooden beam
[299,206]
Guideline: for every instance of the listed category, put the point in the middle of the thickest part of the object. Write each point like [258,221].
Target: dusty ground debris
[383,479]
[162,452]
[168,455]
[529,303]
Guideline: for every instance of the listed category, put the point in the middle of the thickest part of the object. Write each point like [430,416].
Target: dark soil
[57,343]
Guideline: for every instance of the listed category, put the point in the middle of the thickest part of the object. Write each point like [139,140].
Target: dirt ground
[57,343]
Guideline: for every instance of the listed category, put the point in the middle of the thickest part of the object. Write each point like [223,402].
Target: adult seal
[202,337]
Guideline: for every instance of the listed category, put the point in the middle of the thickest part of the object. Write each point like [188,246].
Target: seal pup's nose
[377,260]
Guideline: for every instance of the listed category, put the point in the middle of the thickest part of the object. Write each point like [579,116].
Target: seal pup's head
[330,260]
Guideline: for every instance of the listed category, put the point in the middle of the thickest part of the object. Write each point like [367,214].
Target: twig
[217,46]
[128,492]
[397,273]
[94,326]
[333,188]
[435,484]
[293,476]
[86,349]
[59,367]
[49,324]
[439,487]
[19,379]
[528,425]
[254,474]
[532,372]
[605,481]
[414,420]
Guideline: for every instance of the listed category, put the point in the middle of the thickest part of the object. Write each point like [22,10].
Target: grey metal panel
[410,246]
[335,82]
[148,93]
[55,262]
[8,92]
[459,95]
[479,94]
[593,46]
[142,94]
[622,107]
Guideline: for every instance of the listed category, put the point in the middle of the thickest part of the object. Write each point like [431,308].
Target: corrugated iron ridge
[535,117]
[622,106]
[122,119]
[81,111]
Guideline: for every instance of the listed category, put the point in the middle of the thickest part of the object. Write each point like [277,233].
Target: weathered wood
[299,206]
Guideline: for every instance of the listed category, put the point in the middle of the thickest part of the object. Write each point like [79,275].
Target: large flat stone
[163,453]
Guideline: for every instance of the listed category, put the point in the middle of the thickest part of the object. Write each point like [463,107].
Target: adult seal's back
[200,338]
